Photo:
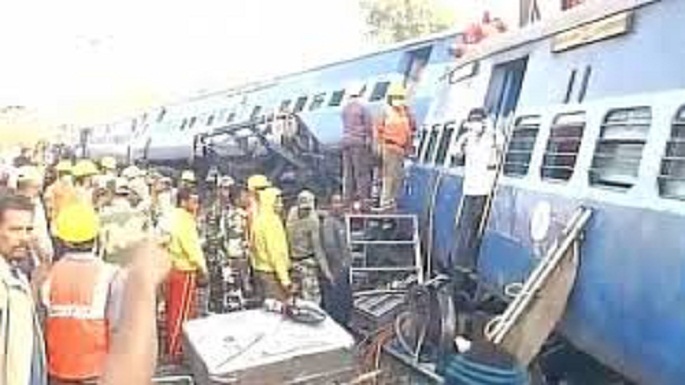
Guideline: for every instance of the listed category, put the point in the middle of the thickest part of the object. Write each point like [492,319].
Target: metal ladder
[373,236]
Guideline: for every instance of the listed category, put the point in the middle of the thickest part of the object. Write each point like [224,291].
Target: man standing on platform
[357,154]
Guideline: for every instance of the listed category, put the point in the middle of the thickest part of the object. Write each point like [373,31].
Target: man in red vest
[78,298]
[394,136]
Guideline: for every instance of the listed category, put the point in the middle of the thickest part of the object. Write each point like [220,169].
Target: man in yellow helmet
[271,258]
[394,135]
[80,297]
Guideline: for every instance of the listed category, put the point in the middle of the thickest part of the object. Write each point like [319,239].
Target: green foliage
[397,20]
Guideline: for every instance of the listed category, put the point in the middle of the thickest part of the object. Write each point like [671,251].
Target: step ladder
[387,246]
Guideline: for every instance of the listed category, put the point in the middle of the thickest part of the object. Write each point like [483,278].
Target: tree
[397,20]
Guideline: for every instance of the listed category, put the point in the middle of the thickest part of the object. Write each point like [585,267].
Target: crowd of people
[91,249]
[83,217]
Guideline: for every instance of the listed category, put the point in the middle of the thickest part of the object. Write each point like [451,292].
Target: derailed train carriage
[591,99]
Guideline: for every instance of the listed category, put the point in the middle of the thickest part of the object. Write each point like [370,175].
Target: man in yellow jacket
[271,260]
[188,263]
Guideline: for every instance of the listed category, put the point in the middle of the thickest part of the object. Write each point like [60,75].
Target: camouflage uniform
[236,272]
[121,225]
[306,252]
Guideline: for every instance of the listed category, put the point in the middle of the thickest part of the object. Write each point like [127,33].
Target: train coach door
[505,87]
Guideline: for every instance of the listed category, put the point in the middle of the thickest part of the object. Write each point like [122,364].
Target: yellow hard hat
[84,167]
[29,174]
[77,223]
[63,166]
[397,89]
[257,182]
[188,176]
[108,163]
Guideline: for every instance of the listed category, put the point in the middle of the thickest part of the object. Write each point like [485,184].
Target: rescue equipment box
[258,347]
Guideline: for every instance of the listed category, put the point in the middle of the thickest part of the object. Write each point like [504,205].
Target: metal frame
[415,242]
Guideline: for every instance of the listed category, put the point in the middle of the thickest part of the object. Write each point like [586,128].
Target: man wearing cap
[233,226]
[29,185]
[80,298]
[307,255]
[122,224]
[480,145]
[357,153]
[394,136]
[61,192]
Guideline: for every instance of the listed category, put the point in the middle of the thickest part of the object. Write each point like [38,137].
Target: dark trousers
[464,255]
[337,297]
[357,169]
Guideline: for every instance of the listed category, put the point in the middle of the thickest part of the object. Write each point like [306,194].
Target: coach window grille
[619,149]
[300,103]
[562,148]
[672,175]
[445,141]
[317,101]
[432,139]
[521,145]
[379,91]
[336,98]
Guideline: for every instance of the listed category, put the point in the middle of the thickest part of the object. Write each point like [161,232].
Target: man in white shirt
[480,145]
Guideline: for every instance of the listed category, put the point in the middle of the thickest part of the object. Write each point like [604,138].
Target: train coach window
[336,98]
[619,149]
[192,121]
[379,91]
[672,175]
[445,141]
[299,104]
[230,117]
[432,139]
[284,105]
[161,115]
[562,148]
[255,112]
[184,122]
[210,120]
[317,101]
[521,144]
[422,142]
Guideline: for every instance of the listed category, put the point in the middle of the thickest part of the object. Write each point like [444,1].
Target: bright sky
[84,60]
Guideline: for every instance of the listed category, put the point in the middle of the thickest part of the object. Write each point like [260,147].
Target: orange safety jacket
[395,129]
[76,328]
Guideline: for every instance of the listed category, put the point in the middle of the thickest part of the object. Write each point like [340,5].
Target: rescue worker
[83,172]
[307,255]
[357,153]
[108,174]
[481,145]
[188,265]
[336,291]
[187,179]
[78,292]
[23,356]
[138,186]
[255,184]
[393,143]
[29,185]
[270,261]
[61,192]
[122,224]
[233,227]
